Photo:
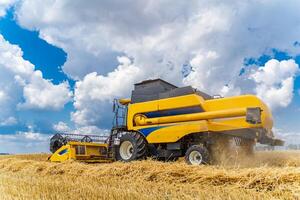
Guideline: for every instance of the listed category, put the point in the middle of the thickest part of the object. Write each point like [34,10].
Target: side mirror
[114,105]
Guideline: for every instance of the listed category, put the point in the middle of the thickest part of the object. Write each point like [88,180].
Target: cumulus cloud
[91,130]
[42,94]
[275,82]
[62,127]
[204,70]
[4,5]
[24,142]
[290,137]
[213,37]
[164,35]
[94,91]
[65,22]
[24,87]
[2,96]
[9,121]
[32,136]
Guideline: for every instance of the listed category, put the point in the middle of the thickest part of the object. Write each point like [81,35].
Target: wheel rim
[126,150]
[195,158]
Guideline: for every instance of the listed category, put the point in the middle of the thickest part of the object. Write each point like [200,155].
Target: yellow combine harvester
[166,122]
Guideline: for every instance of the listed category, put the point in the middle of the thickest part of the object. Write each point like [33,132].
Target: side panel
[136,108]
[172,132]
[62,154]
[244,101]
[163,104]
[87,152]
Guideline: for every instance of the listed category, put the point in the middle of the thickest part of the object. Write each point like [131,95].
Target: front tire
[197,155]
[132,147]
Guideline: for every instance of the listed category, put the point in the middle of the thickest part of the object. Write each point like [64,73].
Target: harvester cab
[120,107]
[166,122]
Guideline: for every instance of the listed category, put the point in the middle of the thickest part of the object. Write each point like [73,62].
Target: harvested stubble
[270,175]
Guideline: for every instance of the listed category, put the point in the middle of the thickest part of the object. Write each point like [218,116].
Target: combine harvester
[166,122]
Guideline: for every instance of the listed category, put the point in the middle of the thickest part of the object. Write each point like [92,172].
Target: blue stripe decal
[62,152]
[172,112]
[147,131]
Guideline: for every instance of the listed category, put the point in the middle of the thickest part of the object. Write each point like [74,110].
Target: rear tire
[132,147]
[197,155]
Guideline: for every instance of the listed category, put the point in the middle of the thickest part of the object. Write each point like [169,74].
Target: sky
[63,62]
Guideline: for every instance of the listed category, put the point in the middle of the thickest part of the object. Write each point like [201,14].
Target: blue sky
[46,58]
[82,55]
[288,117]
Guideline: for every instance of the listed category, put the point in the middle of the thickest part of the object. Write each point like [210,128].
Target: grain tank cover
[158,85]
[158,89]
[149,90]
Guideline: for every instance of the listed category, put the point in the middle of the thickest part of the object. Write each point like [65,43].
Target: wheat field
[266,175]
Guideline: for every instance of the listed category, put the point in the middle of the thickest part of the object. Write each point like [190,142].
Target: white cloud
[3,96]
[275,82]
[9,121]
[94,91]
[67,20]
[289,137]
[164,35]
[204,72]
[160,36]
[4,5]
[24,142]
[42,94]
[91,130]
[274,71]
[62,127]
[11,60]
[24,87]
[32,136]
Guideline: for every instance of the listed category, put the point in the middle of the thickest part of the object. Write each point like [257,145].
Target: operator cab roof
[155,89]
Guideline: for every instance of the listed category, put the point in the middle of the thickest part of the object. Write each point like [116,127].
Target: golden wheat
[267,175]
